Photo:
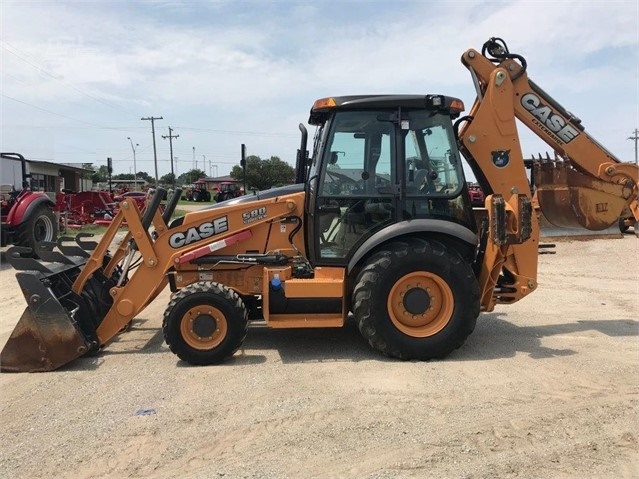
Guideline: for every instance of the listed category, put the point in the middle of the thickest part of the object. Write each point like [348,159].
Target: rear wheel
[41,225]
[416,299]
[205,323]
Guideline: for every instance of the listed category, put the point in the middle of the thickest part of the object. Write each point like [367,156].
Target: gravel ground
[545,388]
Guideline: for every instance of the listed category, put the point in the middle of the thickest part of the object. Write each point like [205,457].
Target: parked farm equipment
[28,217]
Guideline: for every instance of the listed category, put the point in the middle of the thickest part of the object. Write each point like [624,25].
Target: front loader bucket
[58,325]
[570,199]
[42,343]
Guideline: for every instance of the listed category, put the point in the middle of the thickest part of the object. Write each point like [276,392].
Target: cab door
[356,184]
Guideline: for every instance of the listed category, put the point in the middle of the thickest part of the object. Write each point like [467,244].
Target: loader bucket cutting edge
[569,199]
[45,337]
[37,346]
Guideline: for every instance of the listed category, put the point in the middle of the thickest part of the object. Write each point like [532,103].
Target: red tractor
[198,192]
[27,216]
[228,190]
[477,195]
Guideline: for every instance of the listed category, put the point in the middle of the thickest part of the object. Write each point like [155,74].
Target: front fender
[25,206]
[413,227]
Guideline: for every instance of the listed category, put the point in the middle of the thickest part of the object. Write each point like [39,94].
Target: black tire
[416,299]
[207,197]
[41,225]
[205,323]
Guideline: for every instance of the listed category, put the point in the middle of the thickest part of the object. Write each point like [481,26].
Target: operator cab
[380,162]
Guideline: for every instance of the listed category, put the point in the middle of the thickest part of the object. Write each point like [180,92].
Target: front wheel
[41,225]
[416,299]
[205,323]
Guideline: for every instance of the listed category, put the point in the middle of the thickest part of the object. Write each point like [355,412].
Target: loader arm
[161,252]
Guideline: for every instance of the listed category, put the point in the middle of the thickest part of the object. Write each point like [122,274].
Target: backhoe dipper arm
[590,187]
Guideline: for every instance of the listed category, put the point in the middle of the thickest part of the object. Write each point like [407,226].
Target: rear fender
[25,206]
[413,227]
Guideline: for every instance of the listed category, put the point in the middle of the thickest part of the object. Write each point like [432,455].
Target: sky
[78,77]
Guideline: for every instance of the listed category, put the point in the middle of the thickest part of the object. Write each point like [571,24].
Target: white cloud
[258,66]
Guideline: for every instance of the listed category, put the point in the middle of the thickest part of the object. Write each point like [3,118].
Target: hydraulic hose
[497,48]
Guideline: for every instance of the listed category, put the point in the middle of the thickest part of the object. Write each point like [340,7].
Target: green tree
[143,175]
[167,179]
[264,174]
[123,176]
[190,176]
[101,175]
[87,175]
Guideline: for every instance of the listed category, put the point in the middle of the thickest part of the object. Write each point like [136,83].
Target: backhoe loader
[378,227]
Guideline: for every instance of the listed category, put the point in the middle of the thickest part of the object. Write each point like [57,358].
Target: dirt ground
[545,388]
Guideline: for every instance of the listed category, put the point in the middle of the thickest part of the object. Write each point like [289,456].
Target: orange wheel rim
[203,327]
[420,304]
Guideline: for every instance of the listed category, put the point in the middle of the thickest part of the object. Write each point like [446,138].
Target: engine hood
[260,195]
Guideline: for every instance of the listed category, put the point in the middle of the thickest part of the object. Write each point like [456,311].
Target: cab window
[354,193]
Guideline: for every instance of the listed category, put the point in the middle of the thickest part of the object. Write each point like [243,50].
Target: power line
[239,132]
[52,112]
[65,127]
[12,49]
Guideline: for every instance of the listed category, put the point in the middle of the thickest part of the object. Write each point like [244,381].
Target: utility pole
[155,153]
[170,136]
[192,167]
[243,165]
[635,139]
[110,171]
[135,169]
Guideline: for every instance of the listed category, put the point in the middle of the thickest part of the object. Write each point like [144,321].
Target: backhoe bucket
[570,199]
